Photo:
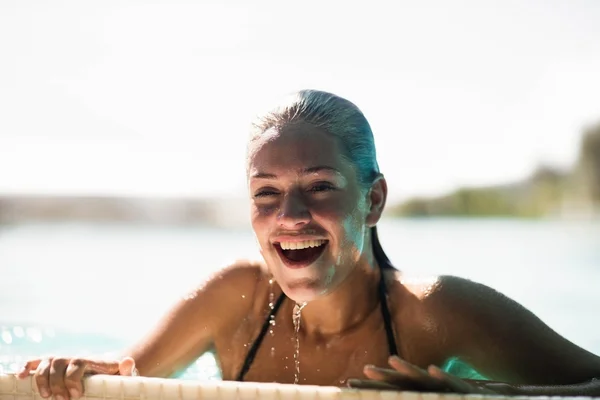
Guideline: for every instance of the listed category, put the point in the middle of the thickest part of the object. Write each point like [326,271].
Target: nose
[293,212]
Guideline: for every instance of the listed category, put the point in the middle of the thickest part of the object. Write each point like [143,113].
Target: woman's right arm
[181,336]
[188,329]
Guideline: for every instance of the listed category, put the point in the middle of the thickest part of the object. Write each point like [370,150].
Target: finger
[74,376]
[415,374]
[456,384]
[396,379]
[77,368]
[41,376]
[58,367]
[368,384]
[101,367]
[407,368]
[386,375]
[29,366]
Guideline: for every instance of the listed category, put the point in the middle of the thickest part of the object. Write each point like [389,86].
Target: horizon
[123,99]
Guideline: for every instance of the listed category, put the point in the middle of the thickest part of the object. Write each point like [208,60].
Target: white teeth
[301,245]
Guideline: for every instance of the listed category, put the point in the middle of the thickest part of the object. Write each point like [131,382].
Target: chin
[303,290]
[303,284]
[301,296]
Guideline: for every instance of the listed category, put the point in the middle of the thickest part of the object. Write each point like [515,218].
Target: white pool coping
[107,387]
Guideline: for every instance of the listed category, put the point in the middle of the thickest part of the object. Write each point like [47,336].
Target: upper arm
[187,330]
[506,342]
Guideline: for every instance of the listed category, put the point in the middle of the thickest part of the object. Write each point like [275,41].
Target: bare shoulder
[197,319]
[226,294]
[420,332]
[444,300]
[443,289]
[417,287]
[239,277]
[498,336]
[456,293]
[241,272]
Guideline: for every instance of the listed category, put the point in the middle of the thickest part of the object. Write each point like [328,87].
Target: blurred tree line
[548,191]
[588,167]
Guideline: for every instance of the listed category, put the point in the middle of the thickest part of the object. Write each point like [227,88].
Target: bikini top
[385,312]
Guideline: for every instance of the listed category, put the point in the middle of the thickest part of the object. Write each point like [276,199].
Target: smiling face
[309,213]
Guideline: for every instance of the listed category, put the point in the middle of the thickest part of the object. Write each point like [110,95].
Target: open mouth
[300,254]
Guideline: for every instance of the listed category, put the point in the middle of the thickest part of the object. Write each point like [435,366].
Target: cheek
[353,233]
[264,210]
[333,209]
[260,226]
[345,218]
[353,227]
[260,214]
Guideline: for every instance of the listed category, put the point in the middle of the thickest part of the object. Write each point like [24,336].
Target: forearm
[153,362]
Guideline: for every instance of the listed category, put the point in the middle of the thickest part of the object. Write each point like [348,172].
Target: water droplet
[296,319]
[243,296]
[191,296]
[271,295]
[272,351]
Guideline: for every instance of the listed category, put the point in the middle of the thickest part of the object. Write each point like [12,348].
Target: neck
[346,306]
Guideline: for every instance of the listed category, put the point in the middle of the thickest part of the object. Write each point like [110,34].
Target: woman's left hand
[405,376]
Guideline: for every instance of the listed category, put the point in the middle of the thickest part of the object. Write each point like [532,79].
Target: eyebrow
[305,171]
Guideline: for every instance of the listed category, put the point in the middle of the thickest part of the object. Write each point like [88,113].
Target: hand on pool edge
[62,377]
[408,377]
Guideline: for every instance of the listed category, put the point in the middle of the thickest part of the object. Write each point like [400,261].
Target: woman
[316,197]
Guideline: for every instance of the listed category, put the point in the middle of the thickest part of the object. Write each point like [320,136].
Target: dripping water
[296,318]
[271,306]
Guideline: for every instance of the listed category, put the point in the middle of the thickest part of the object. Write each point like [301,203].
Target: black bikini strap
[252,352]
[387,319]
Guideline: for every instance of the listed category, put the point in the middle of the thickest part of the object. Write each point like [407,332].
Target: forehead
[295,148]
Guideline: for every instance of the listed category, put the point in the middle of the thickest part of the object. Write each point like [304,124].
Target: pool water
[88,290]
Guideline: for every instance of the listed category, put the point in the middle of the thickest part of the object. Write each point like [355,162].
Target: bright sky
[155,97]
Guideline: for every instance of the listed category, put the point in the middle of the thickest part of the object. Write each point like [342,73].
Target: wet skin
[301,187]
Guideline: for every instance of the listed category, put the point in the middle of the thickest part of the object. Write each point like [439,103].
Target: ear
[377,197]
